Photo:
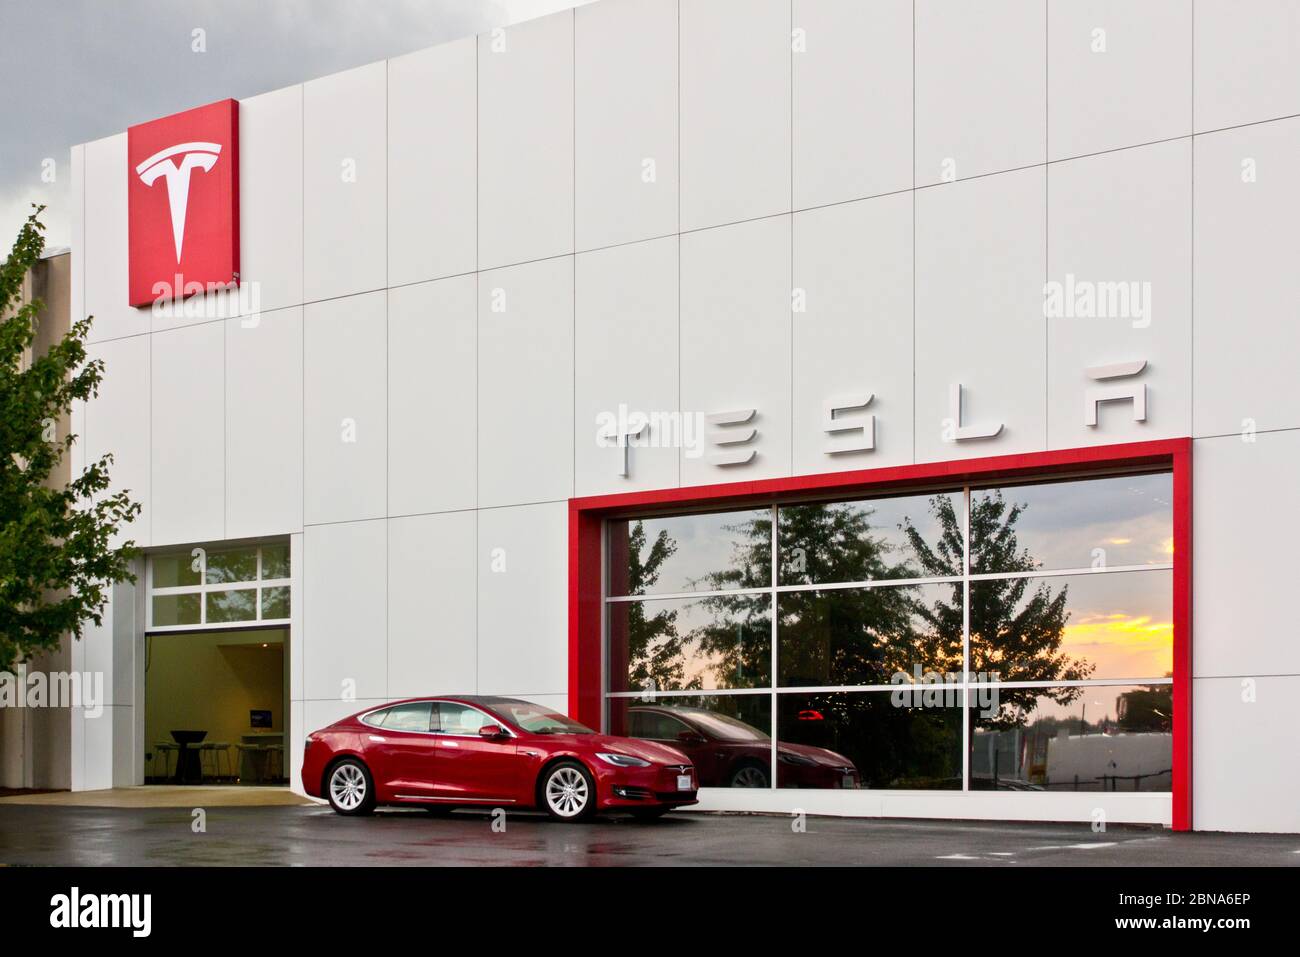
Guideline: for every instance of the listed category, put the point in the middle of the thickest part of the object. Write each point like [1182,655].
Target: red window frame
[587,517]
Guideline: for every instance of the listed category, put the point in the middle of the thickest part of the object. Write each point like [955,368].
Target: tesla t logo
[163,166]
[183,203]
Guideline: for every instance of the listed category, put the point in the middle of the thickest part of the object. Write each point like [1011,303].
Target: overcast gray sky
[72,71]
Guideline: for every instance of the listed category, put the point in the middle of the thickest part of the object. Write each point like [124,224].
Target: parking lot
[312,835]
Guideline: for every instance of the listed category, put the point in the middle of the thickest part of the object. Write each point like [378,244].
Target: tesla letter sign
[183,196]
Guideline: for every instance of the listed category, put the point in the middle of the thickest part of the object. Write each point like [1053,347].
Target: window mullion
[772,703]
[965,642]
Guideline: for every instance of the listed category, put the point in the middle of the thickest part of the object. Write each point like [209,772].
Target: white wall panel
[345,639]
[264,414]
[735,343]
[626,356]
[525,141]
[432,162]
[1095,243]
[1120,73]
[981,87]
[523,623]
[432,407]
[625,121]
[297,653]
[1242,773]
[1247,331]
[298,732]
[345,183]
[106,270]
[852,100]
[117,422]
[853,264]
[1242,567]
[735,102]
[1247,61]
[271,196]
[980,265]
[432,605]
[525,383]
[625,68]
[188,434]
[345,417]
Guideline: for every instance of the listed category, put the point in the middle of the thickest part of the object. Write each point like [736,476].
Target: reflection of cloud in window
[1121,644]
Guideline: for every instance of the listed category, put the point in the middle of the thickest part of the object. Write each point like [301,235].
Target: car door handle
[451,744]
[377,739]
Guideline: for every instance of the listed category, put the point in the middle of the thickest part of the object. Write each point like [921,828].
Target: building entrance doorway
[216,665]
[215,707]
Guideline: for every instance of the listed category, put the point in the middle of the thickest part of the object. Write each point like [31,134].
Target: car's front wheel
[350,789]
[748,776]
[568,792]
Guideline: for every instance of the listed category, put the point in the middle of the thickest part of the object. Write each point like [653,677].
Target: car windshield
[538,720]
[726,727]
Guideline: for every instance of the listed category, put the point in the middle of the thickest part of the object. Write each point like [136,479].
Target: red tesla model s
[467,750]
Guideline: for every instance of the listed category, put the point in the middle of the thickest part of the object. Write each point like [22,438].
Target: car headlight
[622,760]
[789,757]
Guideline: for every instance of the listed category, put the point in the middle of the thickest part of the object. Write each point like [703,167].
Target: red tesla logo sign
[183,200]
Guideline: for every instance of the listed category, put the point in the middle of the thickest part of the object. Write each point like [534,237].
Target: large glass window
[1016,637]
[225,585]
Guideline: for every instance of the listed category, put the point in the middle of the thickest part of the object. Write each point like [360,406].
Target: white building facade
[830,252]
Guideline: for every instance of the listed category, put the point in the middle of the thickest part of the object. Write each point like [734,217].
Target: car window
[408,717]
[659,727]
[460,719]
[375,718]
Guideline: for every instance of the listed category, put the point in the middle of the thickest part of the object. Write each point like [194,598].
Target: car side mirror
[690,737]
[490,731]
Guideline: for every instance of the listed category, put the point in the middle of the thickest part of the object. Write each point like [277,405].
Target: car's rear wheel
[748,776]
[568,792]
[350,788]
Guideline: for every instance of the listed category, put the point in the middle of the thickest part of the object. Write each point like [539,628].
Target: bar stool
[254,753]
[274,761]
[217,750]
[164,749]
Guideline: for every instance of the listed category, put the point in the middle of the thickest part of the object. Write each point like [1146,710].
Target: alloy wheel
[348,787]
[567,793]
[749,777]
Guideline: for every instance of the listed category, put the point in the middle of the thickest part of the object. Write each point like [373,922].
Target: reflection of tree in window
[849,636]
[1016,624]
[737,638]
[238,605]
[655,652]
[1146,709]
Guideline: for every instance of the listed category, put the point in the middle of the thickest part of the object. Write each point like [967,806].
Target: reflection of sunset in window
[1120,643]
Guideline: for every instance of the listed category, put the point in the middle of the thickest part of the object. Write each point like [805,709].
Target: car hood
[645,750]
[821,755]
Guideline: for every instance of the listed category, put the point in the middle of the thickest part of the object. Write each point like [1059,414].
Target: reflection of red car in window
[728,753]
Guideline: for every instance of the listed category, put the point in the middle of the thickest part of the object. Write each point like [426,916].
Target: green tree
[56,561]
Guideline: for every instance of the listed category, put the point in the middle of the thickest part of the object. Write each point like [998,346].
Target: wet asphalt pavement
[79,836]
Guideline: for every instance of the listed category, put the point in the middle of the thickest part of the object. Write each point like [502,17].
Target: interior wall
[210,681]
